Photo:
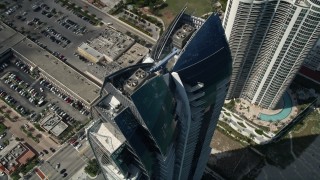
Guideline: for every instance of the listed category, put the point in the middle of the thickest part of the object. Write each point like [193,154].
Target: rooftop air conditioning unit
[178,34]
[135,80]
[132,82]
[182,35]
[140,74]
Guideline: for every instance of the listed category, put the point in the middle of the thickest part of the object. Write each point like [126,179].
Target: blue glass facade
[207,41]
[133,133]
[156,106]
[206,59]
[151,118]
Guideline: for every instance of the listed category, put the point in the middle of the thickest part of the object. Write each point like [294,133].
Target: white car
[78,146]
[2,135]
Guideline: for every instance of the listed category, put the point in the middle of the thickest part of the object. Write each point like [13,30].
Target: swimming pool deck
[255,110]
[285,111]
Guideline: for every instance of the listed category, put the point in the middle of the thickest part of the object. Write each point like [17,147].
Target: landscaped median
[133,24]
[80,12]
[30,135]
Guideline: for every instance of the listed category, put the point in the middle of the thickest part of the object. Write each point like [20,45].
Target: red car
[72,141]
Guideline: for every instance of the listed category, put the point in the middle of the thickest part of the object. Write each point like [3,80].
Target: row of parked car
[25,68]
[23,89]
[73,26]
[56,37]
[9,99]
[3,66]
[59,56]
[12,9]
[76,104]
[64,116]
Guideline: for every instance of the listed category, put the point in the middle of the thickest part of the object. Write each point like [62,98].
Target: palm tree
[2,118]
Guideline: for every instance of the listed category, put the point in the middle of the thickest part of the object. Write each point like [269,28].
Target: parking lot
[36,96]
[5,138]
[60,33]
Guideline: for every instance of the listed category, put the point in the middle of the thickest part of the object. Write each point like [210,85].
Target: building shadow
[301,83]
[296,158]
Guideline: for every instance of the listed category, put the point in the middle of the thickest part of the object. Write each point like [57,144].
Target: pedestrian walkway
[245,128]
[80,175]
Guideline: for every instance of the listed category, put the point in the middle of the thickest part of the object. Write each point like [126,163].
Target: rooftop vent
[132,82]
[135,80]
[140,74]
[187,28]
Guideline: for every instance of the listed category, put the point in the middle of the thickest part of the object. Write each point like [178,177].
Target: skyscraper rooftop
[156,120]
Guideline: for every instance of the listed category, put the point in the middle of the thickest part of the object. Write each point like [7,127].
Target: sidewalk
[80,175]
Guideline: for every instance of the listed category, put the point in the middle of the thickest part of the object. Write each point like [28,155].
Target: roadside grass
[230,130]
[303,134]
[310,125]
[195,7]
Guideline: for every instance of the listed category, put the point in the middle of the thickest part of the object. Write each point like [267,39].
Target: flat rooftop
[49,122]
[133,56]
[99,72]
[92,52]
[8,148]
[16,153]
[59,128]
[112,44]
[109,137]
[8,37]
[70,79]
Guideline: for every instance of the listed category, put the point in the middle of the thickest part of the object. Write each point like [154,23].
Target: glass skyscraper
[156,120]
[269,41]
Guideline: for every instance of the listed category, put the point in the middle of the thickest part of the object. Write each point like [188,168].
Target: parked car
[3,135]
[78,146]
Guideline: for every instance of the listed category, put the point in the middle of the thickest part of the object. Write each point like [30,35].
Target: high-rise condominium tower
[269,40]
[313,59]
[156,120]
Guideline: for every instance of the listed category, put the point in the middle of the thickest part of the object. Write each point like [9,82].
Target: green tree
[92,167]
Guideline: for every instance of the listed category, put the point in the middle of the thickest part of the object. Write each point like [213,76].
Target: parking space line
[5,75]
[35,82]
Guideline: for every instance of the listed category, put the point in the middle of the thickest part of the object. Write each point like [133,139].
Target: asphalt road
[69,158]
